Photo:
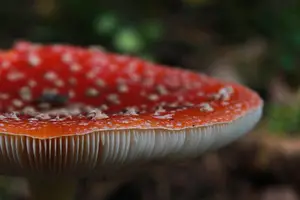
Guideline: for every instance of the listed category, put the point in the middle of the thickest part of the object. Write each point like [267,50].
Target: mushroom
[69,112]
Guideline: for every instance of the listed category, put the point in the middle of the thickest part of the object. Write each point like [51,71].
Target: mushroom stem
[53,188]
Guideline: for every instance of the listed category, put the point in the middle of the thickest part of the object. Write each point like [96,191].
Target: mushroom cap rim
[258,108]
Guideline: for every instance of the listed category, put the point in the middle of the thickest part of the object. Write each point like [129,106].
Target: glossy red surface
[130,92]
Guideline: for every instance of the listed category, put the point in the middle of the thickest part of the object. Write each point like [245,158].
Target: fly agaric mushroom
[69,112]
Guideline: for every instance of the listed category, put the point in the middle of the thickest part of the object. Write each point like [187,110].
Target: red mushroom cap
[54,91]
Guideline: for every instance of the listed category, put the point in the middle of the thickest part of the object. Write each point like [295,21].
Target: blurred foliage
[114,25]
[284,119]
[167,31]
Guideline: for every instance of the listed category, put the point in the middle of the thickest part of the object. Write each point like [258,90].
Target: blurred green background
[256,43]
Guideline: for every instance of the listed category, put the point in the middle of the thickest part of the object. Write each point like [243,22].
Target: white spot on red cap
[91,92]
[113,98]
[206,107]
[223,94]
[153,97]
[17,103]
[43,116]
[50,76]
[123,88]
[75,67]
[4,96]
[103,107]
[66,58]
[59,83]
[34,60]
[13,115]
[32,83]
[25,93]
[131,111]
[159,110]
[15,76]
[71,94]
[97,114]
[162,90]
[99,82]
[29,110]
[167,116]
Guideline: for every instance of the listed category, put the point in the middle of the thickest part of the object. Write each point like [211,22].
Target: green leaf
[128,40]
[106,23]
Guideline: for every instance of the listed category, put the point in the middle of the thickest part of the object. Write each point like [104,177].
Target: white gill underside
[97,150]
